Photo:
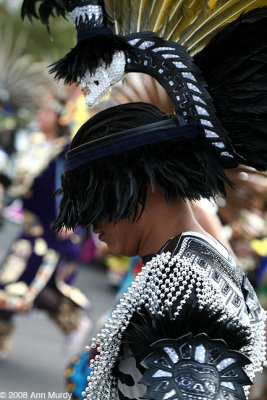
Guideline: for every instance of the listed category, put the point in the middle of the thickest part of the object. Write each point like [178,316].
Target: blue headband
[127,140]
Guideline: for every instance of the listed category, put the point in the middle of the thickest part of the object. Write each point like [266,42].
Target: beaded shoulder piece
[197,269]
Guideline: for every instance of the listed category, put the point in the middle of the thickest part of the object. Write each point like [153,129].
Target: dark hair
[113,187]
[116,119]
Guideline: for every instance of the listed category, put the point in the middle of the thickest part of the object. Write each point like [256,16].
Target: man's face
[122,238]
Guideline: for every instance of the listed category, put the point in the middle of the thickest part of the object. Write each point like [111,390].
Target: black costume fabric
[207,349]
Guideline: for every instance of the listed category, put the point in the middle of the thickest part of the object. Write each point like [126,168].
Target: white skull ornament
[95,87]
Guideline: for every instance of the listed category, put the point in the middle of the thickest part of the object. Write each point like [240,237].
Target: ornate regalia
[190,326]
[193,286]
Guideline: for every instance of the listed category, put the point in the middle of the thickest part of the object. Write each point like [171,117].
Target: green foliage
[26,50]
[39,44]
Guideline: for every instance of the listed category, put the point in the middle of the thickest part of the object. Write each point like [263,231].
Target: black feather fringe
[234,64]
[113,188]
[87,55]
[145,329]
[47,9]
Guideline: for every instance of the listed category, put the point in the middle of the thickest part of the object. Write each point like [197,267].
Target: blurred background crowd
[56,290]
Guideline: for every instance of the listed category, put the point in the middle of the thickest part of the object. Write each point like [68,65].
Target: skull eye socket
[96,83]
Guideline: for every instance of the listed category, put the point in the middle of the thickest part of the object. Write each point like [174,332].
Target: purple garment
[42,204]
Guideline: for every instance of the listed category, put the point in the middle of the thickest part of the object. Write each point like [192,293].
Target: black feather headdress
[96,43]
[222,91]
[114,187]
[47,9]
[234,64]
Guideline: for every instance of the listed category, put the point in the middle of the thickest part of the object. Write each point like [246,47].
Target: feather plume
[90,51]
[208,24]
[180,17]
[113,15]
[47,9]
[86,56]
[126,16]
[145,329]
[236,73]
[158,13]
[24,80]
[139,12]
[190,22]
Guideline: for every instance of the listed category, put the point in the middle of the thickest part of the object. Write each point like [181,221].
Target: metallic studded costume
[190,326]
[192,285]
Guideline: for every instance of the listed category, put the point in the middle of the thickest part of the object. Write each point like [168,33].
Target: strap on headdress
[127,140]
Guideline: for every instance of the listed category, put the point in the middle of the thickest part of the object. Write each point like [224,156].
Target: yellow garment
[259,246]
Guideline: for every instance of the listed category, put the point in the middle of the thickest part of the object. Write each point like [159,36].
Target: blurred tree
[26,50]
[39,44]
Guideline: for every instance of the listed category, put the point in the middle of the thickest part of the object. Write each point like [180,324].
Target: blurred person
[40,265]
[4,182]
[7,132]
[244,213]
[4,179]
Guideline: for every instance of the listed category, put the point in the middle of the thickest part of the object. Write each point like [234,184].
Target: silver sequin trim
[145,44]
[89,11]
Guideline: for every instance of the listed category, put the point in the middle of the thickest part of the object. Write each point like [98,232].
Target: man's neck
[172,219]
